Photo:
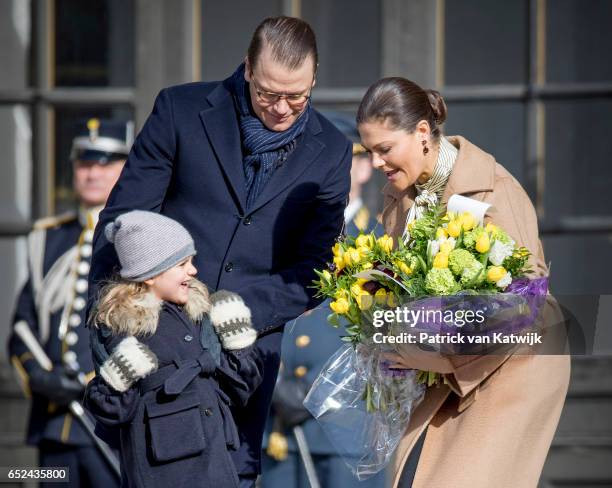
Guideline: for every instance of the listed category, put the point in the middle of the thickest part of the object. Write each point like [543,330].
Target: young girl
[179,360]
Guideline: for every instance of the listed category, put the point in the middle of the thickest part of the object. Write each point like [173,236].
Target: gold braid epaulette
[54,220]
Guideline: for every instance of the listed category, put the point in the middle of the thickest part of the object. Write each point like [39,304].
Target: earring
[425,148]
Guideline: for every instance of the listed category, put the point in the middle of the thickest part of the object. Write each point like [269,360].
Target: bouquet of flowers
[449,263]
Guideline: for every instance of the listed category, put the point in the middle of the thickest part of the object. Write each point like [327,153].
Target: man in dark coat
[52,306]
[259,178]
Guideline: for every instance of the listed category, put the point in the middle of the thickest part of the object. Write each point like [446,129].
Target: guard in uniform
[307,345]
[52,304]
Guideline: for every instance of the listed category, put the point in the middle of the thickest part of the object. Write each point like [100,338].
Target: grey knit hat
[148,243]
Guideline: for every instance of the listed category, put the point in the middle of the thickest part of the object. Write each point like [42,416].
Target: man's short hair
[291,41]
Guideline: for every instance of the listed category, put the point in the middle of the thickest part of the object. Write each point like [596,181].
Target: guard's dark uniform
[307,345]
[52,305]
[51,309]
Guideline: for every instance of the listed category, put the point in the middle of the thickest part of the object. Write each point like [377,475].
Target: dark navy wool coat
[187,164]
[175,425]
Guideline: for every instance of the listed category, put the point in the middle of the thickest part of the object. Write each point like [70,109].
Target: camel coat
[494,423]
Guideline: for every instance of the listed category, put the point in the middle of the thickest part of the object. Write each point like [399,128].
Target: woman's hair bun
[110,231]
[437,105]
[403,104]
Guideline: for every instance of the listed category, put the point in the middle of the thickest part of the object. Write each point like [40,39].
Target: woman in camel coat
[493,422]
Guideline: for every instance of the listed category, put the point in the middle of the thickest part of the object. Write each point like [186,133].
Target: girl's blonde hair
[130,308]
[126,307]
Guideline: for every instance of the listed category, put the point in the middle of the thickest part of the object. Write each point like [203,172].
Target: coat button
[79,303]
[81,286]
[71,338]
[188,338]
[300,371]
[69,357]
[208,412]
[247,221]
[74,320]
[83,268]
[302,341]
[229,267]
[85,250]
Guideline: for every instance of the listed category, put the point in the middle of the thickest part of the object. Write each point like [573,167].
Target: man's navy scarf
[264,149]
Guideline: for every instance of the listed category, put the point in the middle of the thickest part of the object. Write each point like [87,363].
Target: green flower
[440,281]
[460,259]
[504,238]
[470,238]
[473,274]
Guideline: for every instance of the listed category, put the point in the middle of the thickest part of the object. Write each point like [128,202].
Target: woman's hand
[413,357]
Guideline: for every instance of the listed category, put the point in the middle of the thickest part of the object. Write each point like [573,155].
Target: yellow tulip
[339,262]
[483,243]
[446,247]
[337,249]
[404,268]
[341,293]
[392,300]
[363,251]
[496,273]
[361,281]
[454,228]
[441,233]
[364,301]
[367,265]
[356,255]
[340,306]
[363,241]
[356,290]
[347,257]
[441,260]
[491,228]
[380,296]
[386,243]
[467,221]
[351,256]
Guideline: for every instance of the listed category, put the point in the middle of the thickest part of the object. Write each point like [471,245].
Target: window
[94,43]
[486,42]
[348,39]
[225,40]
[529,81]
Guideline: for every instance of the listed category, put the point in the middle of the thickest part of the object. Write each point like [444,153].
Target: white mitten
[130,361]
[231,319]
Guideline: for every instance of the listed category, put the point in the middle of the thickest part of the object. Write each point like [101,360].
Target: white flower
[442,240]
[433,247]
[499,252]
[451,240]
[505,281]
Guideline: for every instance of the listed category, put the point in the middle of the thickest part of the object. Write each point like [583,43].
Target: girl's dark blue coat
[175,425]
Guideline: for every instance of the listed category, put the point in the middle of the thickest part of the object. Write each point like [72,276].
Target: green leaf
[333,320]
[422,264]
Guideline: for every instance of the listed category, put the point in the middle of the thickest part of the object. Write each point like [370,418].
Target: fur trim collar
[137,313]
[198,304]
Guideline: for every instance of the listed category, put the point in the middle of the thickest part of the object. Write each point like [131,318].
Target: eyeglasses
[295,100]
